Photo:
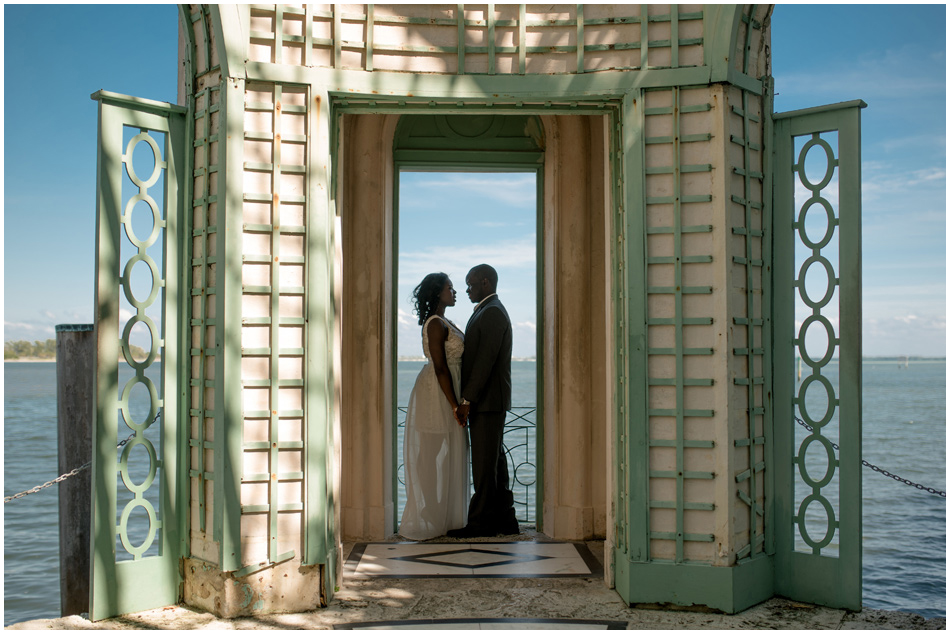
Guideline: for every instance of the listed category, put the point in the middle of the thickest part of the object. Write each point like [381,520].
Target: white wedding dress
[435,449]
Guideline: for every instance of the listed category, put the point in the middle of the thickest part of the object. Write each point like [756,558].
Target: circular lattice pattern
[817,141]
[126,337]
[830,402]
[156,221]
[143,137]
[831,222]
[830,465]
[127,278]
[137,551]
[124,406]
[829,288]
[829,518]
[831,341]
[152,464]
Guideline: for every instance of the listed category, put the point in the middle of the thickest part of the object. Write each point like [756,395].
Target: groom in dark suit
[486,398]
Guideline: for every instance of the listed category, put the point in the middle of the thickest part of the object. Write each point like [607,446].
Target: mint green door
[817,319]
[137,519]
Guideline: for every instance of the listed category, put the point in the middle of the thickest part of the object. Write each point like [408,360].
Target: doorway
[571,160]
[449,221]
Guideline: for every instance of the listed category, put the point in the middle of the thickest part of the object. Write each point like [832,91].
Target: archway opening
[571,160]
[449,221]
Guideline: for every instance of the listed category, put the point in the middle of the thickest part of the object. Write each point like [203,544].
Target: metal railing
[520,443]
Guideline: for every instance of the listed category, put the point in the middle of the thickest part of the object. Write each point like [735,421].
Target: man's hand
[461,414]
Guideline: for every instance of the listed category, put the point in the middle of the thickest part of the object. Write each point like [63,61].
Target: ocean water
[904,528]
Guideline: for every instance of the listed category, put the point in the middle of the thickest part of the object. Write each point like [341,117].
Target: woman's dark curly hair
[426,295]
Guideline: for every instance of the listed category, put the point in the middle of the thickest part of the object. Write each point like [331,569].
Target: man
[486,398]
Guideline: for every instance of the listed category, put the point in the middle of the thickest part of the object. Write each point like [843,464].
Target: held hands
[461,414]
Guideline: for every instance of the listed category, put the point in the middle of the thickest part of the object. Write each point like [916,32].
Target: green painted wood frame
[827,579]
[145,581]
[459,155]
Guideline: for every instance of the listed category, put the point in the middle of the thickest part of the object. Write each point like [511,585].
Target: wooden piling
[75,385]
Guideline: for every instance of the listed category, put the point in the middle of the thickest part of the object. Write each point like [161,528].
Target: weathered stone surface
[286,587]
[412,599]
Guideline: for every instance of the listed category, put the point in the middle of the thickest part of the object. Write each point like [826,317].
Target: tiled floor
[488,624]
[481,559]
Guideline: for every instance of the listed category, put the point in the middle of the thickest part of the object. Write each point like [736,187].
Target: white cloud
[510,189]
[509,254]
[907,334]
[527,325]
[10,326]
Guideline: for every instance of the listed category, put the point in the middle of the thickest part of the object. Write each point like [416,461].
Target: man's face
[475,288]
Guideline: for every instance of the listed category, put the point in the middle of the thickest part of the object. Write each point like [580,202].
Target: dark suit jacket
[486,360]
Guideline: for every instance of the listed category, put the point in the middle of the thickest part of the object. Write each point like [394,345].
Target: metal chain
[75,471]
[872,467]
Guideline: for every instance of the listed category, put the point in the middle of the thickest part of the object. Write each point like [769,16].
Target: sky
[891,56]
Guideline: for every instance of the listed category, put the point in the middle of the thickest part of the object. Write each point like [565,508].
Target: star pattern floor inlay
[481,559]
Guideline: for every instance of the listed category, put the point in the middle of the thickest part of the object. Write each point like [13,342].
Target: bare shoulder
[436,328]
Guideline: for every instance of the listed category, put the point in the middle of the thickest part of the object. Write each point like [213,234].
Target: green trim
[185,305]
[320,542]
[720,30]
[745,82]
[850,413]
[635,423]
[175,351]
[768,307]
[754,268]
[137,104]
[498,158]
[102,590]
[394,362]
[231,23]
[539,352]
[229,411]
[384,85]
[728,588]
[833,107]
[618,314]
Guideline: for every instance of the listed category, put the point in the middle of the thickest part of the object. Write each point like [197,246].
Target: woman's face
[447,296]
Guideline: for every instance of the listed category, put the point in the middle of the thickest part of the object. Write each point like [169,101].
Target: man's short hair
[485,272]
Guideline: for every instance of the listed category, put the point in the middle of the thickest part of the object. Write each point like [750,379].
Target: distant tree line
[29,350]
[13,350]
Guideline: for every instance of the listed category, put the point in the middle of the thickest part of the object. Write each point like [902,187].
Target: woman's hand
[461,414]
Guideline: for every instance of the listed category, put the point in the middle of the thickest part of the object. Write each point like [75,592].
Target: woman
[435,448]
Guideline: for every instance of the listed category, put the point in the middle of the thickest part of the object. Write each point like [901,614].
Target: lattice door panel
[135,505]
[817,375]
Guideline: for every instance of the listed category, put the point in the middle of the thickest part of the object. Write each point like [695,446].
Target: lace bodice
[454,345]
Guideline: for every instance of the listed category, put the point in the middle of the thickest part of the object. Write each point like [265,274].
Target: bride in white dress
[435,449]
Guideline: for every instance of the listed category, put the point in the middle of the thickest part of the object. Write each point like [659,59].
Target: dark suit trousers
[492,506]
